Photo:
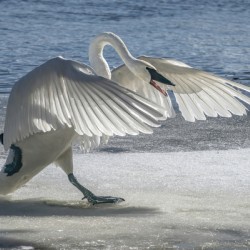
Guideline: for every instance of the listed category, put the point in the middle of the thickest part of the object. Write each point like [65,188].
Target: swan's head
[148,73]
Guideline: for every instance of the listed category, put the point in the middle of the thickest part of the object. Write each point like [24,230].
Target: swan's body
[63,101]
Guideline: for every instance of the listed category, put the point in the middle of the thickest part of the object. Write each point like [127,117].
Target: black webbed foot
[103,199]
[93,199]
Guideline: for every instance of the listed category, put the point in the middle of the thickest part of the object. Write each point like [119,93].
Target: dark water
[211,35]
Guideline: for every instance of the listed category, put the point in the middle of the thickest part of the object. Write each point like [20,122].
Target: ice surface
[176,200]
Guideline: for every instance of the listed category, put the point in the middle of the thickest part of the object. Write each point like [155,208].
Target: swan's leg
[66,163]
[90,196]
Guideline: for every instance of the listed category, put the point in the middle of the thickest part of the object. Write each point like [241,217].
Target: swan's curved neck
[96,58]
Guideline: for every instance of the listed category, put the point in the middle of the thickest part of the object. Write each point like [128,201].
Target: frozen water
[173,201]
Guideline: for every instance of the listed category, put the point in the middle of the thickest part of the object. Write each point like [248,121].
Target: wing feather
[141,110]
[32,116]
[215,103]
[75,118]
[63,93]
[104,113]
[227,102]
[204,100]
[197,93]
[212,95]
[86,125]
[110,111]
[126,113]
[53,108]
[229,89]
[91,111]
[141,103]
[200,98]
[194,109]
[227,94]
[109,104]
[61,104]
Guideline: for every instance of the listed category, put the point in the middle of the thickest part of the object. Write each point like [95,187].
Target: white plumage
[198,93]
[63,93]
[63,101]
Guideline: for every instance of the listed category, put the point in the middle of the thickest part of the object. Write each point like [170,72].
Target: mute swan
[64,101]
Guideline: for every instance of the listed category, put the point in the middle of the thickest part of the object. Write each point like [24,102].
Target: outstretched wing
[197,93]
[63,93]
